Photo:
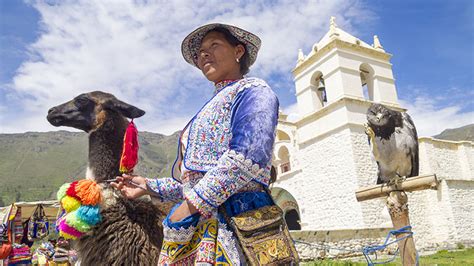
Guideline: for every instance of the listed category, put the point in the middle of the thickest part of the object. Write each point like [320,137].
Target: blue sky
[51,51]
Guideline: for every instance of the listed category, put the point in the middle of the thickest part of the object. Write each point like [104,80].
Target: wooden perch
[410,184]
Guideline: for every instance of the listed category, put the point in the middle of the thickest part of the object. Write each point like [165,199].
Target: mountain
[33,165]
[460,133]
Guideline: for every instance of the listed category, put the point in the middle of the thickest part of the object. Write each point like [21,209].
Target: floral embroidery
[210,131]
[181,235]
[227,249]
[167,188]
[222,84]
[232,173]
[201,247]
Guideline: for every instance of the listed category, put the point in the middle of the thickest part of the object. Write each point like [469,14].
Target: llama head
[88,111]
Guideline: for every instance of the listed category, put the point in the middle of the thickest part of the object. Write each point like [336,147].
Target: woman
[224,153]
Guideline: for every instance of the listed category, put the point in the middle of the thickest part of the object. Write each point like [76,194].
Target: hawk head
[383,120]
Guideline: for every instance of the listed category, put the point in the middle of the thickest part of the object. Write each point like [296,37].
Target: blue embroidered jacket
[230,142]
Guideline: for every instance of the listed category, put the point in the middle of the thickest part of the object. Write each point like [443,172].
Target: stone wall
[324,189]
[338,243]
[330,168]
[374,213]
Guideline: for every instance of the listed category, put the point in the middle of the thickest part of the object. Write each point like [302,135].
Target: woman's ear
[239,51]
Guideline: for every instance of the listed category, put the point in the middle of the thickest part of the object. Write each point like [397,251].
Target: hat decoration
[80,200]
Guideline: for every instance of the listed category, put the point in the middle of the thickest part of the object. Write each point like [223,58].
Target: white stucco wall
[324,189]
[461,195]
[373,211]
[331,167]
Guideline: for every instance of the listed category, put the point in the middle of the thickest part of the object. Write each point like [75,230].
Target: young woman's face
[217,58]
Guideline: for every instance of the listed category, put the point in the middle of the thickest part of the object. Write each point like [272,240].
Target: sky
[51,51]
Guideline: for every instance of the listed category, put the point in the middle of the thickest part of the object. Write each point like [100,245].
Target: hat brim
[192,43]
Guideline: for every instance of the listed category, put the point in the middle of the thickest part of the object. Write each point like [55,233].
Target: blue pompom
[89,214]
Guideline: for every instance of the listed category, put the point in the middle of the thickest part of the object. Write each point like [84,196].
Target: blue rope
[369,250]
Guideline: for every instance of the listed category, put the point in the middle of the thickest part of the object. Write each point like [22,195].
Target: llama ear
[125,109]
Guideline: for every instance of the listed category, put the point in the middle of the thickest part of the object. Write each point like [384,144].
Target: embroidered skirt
[198,241]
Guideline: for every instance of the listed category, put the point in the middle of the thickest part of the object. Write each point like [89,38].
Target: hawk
[394,142]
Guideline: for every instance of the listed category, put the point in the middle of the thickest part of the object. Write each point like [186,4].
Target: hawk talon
[369,131]
[396,181]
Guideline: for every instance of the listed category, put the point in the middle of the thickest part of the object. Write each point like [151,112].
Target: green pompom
[62,191]
[74,221]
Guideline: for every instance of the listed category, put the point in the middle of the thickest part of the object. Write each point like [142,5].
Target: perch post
[397,204]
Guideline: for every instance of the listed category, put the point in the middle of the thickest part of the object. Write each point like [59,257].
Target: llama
[130,232]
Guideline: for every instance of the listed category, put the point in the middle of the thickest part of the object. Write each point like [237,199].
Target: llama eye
[80,102]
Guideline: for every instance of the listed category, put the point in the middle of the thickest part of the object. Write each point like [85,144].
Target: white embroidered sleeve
[230,175]
[167,189]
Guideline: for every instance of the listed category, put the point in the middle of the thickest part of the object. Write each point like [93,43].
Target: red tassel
[130,149]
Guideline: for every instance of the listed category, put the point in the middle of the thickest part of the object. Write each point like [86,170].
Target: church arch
[281,135]
[318,90]
[284,159]
[289,205]
[367,81]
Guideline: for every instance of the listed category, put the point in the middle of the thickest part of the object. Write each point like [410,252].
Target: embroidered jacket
[230,143]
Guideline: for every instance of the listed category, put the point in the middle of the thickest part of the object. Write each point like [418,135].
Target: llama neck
[105,149]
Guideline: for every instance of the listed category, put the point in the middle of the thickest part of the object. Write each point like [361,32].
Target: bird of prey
[394,142]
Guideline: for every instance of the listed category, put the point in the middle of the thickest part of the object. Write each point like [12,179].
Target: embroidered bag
[264,237]
[38,226]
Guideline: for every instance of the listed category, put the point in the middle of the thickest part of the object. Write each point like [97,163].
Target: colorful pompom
[80,200]
[65,228]
[62,191]
[70,204]
[74,221]
[89,192]
[89,214]
[71,191]
[66,235]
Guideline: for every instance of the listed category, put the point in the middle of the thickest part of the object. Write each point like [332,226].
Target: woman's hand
[131,186]
[183,211]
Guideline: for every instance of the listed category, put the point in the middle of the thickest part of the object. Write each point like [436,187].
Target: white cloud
[292,112]
[132,49]
[431,120]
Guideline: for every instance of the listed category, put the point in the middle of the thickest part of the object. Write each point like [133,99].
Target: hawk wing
[413,150]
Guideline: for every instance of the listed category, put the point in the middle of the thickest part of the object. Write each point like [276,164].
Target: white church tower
[324,156]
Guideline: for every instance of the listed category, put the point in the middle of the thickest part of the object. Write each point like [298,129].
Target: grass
[442,257]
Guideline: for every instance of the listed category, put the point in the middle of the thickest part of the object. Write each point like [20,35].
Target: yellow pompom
[67,236]
[70,204]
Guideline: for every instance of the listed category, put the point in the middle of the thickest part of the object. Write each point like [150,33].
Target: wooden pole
[398,209]
[410,184]
[397,204]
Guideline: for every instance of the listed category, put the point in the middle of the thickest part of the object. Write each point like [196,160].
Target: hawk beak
[378,116]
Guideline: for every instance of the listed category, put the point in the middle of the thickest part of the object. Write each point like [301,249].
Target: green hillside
[33,165]
[460,133]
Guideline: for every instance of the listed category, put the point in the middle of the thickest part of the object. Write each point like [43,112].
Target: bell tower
[330,157]
[340,65]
